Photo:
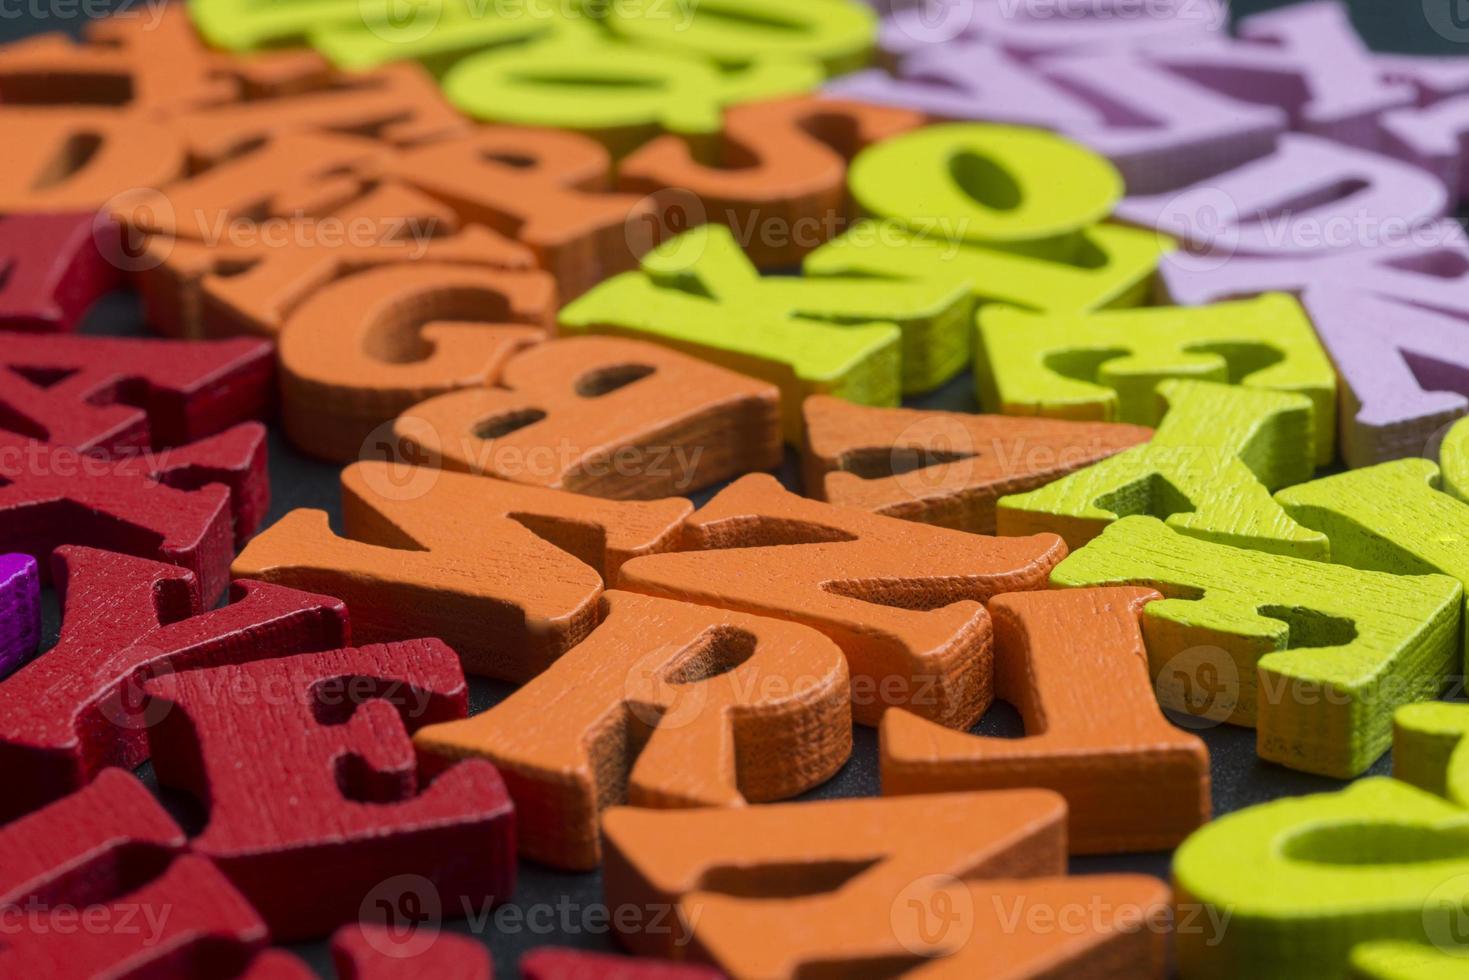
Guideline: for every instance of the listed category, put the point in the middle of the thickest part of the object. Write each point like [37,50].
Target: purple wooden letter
[970,81]
[1306,59]
[1162,131]
[20,611]
[1405,371]
[1035,27]
[1310,197]
[1435,138]
[1429,267]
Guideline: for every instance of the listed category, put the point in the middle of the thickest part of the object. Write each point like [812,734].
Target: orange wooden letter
[365,349]
[666,704]
[603,416]
[1074,665]
[507,575]
[903,601]
[960,885]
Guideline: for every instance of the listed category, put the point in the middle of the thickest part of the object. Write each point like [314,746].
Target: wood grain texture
[1391,518]
[1106,366]
[77,709]
[361,351]
[98,884]
[306,769]
[1380,857]
[545,189]
[377,951]
[20,611]
[902,600]
[602,416]
[1316,657]
[1073,663]
[1208,472]
[839,855]
[943,468]
[1454,456]
[772,891]
[236,458]
[105,396]
[665,704]
[413,560]
[187,506]
[52,268]
[1112,266]
[781,175]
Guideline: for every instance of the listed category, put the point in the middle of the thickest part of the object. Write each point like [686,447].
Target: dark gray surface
[1239,778]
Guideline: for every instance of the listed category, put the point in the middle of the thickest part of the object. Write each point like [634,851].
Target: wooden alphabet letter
[507,575]
[77,709]
[110,854]
[363,350]
[944,468]
[314,796]
[602,416]
[902,600]
[1316,657]
[1073,663]
[1208,472]
[1107,366]
[52,269]
[919,881]
[665,704]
